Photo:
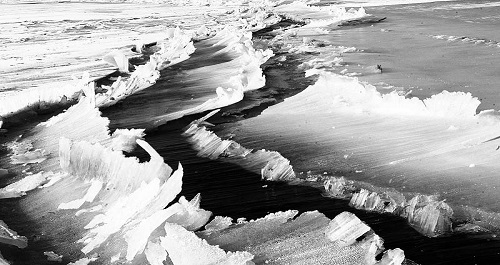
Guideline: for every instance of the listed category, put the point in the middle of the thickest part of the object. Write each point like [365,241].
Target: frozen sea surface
[330,125]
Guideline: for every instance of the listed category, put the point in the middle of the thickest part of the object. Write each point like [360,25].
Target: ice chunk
[132,197]
[392,257]
[185,247]
[83,261]
[143,77]
[428,215]
[392,202]
[338,187]
[176,48]
[10,237]
[117,59]
[345,228]
[30,182]
[155,253]
[218,223]
[125,139]
[278,167]
[118,172]
[189,215]
[52,256]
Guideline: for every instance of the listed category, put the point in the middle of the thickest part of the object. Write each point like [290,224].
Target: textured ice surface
[310,238]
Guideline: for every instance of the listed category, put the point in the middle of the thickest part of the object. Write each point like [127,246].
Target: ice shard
[118,60]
